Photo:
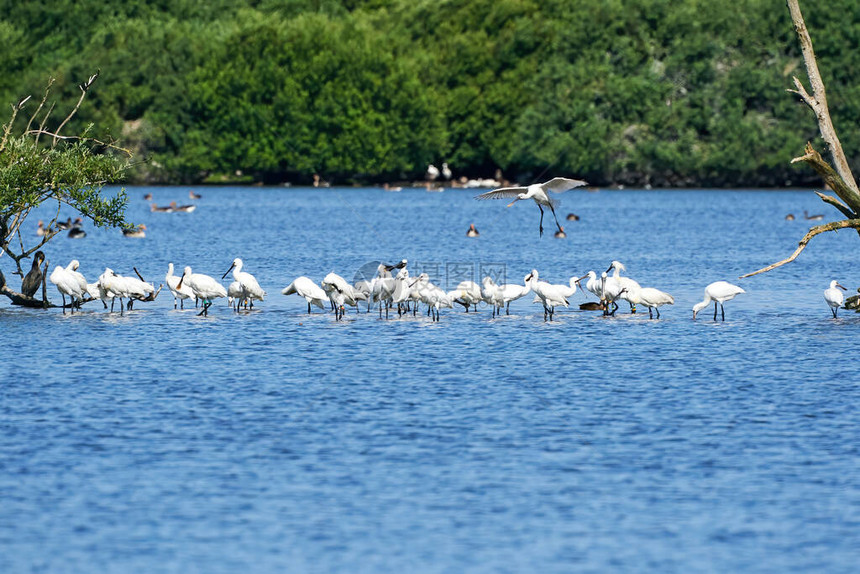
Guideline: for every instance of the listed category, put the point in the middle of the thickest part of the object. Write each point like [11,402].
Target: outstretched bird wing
[502,193]
[559,184]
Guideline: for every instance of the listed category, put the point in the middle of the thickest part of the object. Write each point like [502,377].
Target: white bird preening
[536,192]
[834,296]
[311,292]
[250,288]
[467,293]
[719,292]
[628,287]
[172,284]
[67,280]
[550,295]
[610,290]
[204,287]
[341,293]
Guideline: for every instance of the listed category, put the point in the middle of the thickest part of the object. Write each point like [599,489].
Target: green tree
[39,165]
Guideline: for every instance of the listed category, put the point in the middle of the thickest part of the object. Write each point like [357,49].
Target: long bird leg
[64,303]
[508,308]
[309,307]
[833,310]
[540,225]
[556,218]
[715,310]
[723,311]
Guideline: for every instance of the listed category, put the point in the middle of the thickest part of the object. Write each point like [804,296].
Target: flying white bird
[719,292]
[536,192]
[834,296]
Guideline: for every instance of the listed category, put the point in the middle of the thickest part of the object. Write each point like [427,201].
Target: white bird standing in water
[719,292]
[310,291]
[653,299]
[594,285]
[204,287]
[629,287]
[67,284]
[467,293]
[180,294]
[250,288]
[550,295]
[834,296]
[536,192]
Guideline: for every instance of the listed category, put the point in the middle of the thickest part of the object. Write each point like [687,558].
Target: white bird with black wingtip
[536,192]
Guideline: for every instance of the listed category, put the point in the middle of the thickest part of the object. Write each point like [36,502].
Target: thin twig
[84,87]
[41,104]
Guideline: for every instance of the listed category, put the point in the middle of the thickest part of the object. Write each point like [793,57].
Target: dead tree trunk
[840,179]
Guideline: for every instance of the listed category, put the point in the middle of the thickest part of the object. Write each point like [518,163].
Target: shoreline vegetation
[631,93]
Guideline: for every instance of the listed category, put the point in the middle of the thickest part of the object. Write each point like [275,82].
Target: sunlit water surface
[274,441]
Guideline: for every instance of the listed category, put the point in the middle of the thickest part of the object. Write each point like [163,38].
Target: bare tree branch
[836,203]
[828,132]
[41,104]
[84,87]
[831,178]
[846,223]
[57,136]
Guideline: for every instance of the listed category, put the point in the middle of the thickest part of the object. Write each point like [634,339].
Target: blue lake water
[274,441]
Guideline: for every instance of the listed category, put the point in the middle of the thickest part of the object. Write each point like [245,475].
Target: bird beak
[179,285]
[581,278]
[226,272]
[511,203]
[841,287]
[608,269]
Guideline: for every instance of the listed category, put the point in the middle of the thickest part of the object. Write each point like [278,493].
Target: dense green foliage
[618,91]
[37,169]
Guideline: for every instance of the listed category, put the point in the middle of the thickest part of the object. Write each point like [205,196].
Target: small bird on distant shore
[192,195]
[560,234]
[472,231]
[817,217]
[572,217]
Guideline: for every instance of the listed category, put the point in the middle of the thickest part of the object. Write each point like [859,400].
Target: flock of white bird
[388,291]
